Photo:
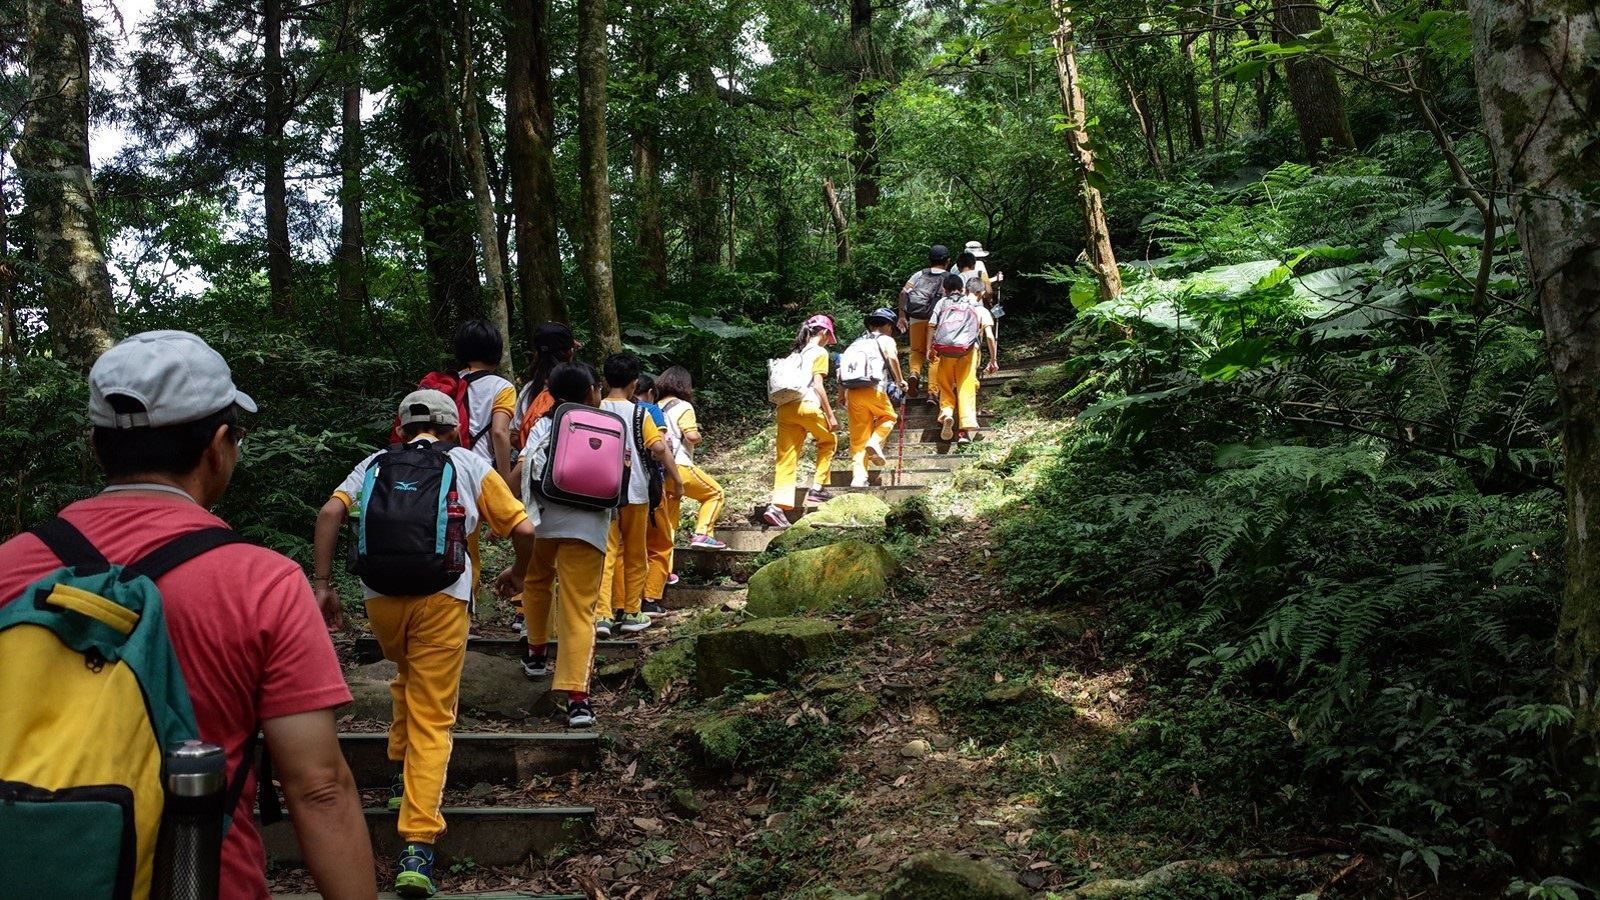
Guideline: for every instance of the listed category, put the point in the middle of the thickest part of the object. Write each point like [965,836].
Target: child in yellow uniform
[675,392]
[426,636]
[958,369]
[920,294]
[663,530]
[570,543]
[872,363]
[622,584]
[811,415]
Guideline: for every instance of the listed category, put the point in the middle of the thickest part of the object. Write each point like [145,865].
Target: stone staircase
[511,835]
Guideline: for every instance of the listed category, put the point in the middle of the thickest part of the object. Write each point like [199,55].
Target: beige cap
[429,408]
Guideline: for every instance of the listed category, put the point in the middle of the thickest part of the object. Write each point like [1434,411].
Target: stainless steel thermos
[189,850]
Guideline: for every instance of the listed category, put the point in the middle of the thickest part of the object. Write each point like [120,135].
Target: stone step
[481,757]
[368,651]
[448,895]
[885,493]
[914,437]
[704,564]
[456,895]
[686,596]
[741,536]
[926,415]
[885,477]
[494,836]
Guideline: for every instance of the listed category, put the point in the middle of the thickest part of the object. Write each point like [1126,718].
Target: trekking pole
[900,464]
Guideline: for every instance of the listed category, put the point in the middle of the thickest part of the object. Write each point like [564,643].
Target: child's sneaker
[859,483]
[602,628]
[673,579]
[535,666]
[521,625]
[707,542]
[397,791]
[774,516]
[633,623]
[947,428]
[415,878]
[964,438]
[580,714]
[818,495]
[873,455]
[652,609]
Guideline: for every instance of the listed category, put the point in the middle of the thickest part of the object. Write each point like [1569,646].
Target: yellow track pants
[871,421]
[795,421]
[627,561]
[919,339]
[663,534]
[958,388]
[426,637]
[702,488]
[578,566]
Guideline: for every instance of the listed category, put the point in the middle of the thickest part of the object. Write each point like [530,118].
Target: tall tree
[53,160]
[1314,90]
[594,180]
[530,138]
[863,97]
[703,229]
[1191,91]
[652,238]
[1537,80]
[350,257]
[1097,232]
[497,301]
[416,41]
[275,175]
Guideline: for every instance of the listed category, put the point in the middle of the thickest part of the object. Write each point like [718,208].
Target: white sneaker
[873,455]
[859,483]
[947,428]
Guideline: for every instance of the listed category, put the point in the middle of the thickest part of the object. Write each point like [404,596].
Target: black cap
[938,253]
[554,337]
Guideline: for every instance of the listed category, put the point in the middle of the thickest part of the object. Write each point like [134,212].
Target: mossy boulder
[945,876]
[773,649]
[665,666]
[821,580]
[859,516]
[912,515]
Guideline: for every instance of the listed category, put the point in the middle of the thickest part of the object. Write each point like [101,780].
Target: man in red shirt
[242,619]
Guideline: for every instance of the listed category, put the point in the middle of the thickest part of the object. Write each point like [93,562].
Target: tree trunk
[53,160]
[1141,110]
[483,199]
[863,95]
[530,136]
[1313,87]
[593,175]
[275,183]
[8,277]
[416,38]
[1542,139]
[1219,132]
[841,226]
[350,258]
[1191,93]
[652,239]
[704,225]
[1097,232]
[1166,123]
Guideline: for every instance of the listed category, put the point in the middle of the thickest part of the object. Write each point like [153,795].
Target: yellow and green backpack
[92,696]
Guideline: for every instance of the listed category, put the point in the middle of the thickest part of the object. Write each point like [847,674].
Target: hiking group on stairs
[583,471]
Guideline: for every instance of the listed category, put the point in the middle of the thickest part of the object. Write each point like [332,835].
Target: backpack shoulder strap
[69,545]
[180,550]
[638,427]
[474,376]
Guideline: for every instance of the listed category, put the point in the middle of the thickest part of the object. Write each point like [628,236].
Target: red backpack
[455,387]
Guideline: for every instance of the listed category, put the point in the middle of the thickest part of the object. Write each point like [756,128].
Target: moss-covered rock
[821,580]
[774,649]
[911,516]
[667,665]
[719,738]
[945,876]
[856,516]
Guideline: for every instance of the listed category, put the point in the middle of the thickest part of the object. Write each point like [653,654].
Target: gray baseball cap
[429,408]
[174,374]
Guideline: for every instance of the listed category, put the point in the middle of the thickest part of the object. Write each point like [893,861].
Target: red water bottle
[455,535]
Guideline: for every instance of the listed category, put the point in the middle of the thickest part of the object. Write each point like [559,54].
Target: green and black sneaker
[397,792]
[415,878]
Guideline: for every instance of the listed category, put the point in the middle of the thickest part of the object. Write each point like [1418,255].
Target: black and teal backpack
[92,697]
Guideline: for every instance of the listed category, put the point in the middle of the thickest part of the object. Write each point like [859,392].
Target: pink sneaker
[707,542]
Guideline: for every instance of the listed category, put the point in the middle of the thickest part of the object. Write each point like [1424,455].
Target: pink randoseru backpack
[587,464]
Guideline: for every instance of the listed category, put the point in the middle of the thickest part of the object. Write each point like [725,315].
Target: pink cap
[823,321]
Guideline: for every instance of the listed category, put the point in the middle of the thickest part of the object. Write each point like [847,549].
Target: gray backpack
[927,289]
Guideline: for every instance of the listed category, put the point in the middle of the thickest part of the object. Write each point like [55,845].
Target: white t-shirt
[484,395]
[639,473]
[675,409]
[809,356]
[471,470]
